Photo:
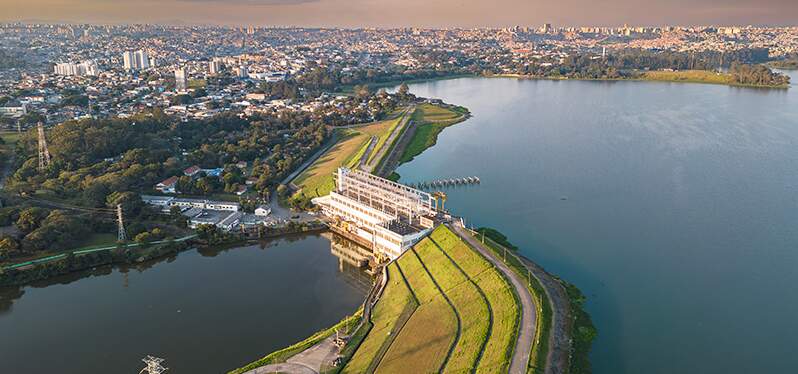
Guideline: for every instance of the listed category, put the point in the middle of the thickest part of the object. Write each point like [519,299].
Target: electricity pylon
[44,153]
[121,237]
[153,365]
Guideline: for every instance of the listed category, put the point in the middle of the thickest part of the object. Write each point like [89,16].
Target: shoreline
[640,79]
[26,273]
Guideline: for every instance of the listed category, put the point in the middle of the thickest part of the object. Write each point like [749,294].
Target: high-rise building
[81,69]
[129,60]
[243,72]
[181,81]
[214,66]
[142,59]
[136,60]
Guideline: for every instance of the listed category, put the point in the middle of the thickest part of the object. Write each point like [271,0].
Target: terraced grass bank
[445,308]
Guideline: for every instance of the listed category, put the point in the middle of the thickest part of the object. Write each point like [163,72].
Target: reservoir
[674,207]
[205,311]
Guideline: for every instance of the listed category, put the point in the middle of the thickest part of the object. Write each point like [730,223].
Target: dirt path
[560,340]
[527,327]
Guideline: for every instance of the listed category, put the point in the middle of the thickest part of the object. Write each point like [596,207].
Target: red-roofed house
[192,171]
[169,185]
[241,190]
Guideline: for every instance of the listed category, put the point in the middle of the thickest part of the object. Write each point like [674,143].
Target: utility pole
[121,237]
[153,365]
[44,153]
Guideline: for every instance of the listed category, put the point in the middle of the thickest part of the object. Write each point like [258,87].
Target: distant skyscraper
[243,71]
[81,69]
[136,60]
[181,81]
[214,66]
[546,28]
[129,60]
[142,60]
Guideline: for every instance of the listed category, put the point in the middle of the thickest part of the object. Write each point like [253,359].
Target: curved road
[527,327]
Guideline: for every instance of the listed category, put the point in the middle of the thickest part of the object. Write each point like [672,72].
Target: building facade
[388,216]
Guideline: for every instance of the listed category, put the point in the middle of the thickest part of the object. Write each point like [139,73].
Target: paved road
[371,167]
[526,333]
[283,368]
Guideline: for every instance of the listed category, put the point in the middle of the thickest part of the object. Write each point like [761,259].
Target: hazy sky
[393,13]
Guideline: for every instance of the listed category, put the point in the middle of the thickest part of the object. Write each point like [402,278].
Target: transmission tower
[44,153]
[153,365]
[121,237]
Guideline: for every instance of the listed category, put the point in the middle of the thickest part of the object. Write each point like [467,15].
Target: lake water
[674,207]
[205,312]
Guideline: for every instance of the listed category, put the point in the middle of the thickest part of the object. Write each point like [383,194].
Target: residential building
[168,185]
[263,210]
[181,80]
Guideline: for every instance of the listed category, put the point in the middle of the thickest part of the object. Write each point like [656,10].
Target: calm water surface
[674,207]
[205,312]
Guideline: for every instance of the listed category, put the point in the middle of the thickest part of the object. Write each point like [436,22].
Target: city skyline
[411,13]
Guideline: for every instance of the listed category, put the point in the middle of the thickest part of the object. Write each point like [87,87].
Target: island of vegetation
[743,68]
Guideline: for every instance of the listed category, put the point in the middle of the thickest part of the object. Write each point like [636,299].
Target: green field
[317,179]
[462,313]
[430,120]
[386,319]
[689,76]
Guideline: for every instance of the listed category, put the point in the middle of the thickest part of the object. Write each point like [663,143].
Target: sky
[406,13]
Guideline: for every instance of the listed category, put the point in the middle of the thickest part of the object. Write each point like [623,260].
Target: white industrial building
[389,216]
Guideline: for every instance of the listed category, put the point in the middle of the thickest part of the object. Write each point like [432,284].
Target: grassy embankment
[429,121]
[444,308]
[462,313]
[317,179]
[582,330]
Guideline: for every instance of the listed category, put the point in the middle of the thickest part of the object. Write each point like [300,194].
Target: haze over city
[407,13]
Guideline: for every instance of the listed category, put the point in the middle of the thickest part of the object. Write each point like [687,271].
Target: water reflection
[355,262]
[228,305]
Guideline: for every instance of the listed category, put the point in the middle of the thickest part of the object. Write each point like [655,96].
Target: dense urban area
[149,136]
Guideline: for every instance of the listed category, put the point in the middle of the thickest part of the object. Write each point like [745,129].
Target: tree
[362,91]
[30,219]
[282,190]
[8,246]
[403,91]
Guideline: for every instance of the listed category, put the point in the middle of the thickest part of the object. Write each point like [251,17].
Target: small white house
[263,211]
